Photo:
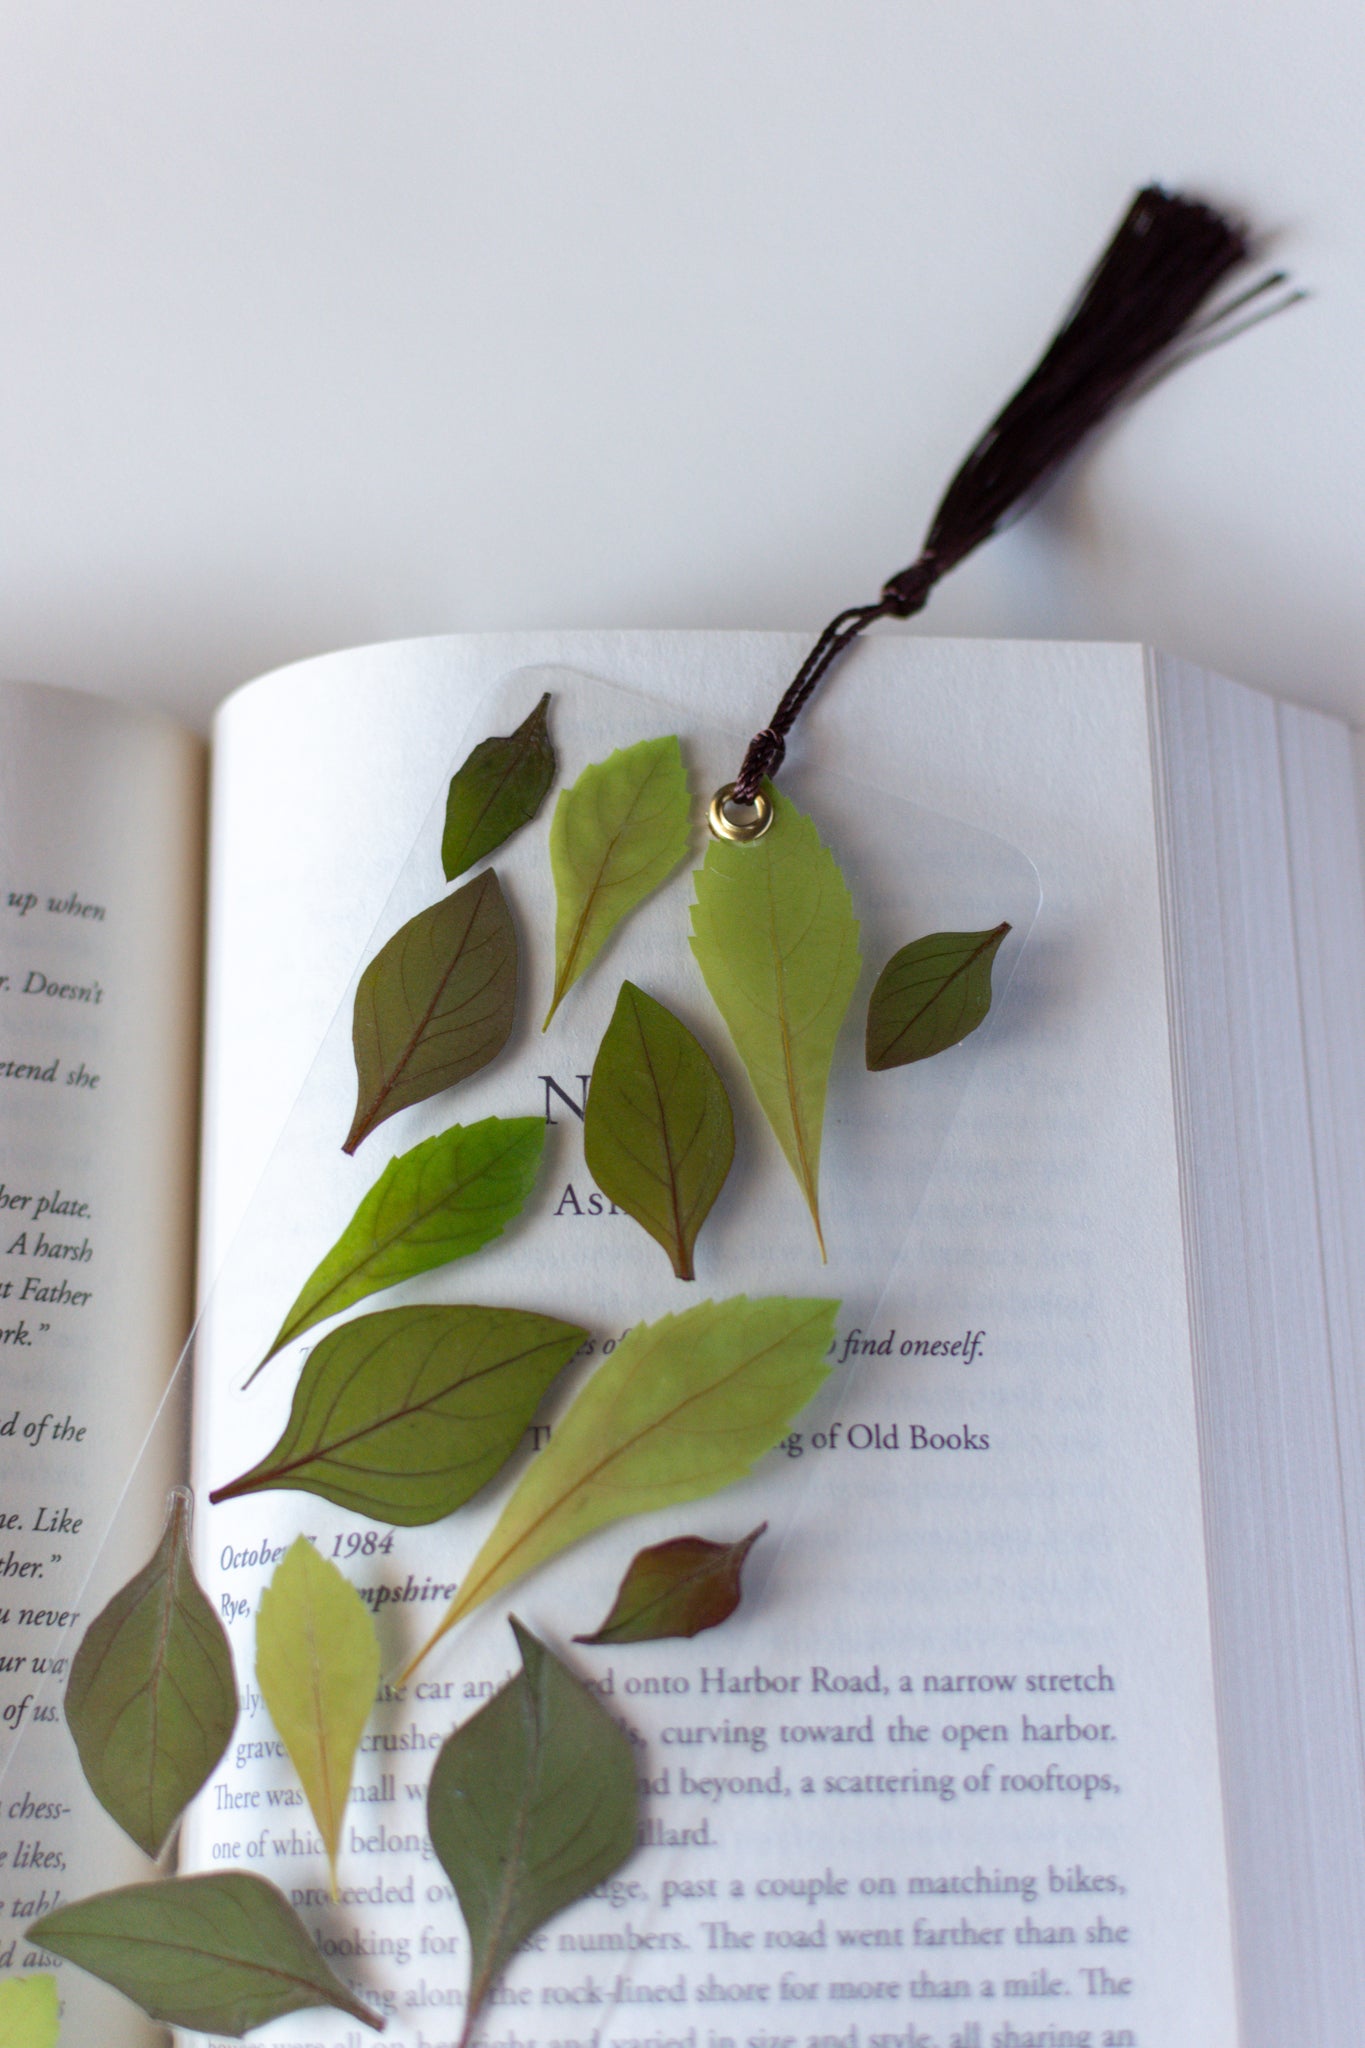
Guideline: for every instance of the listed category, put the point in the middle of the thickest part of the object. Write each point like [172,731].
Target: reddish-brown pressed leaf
[151,1701]
[435,1004]
[677,1588]
[658,1135]
[404,1414]
[498,790]
[532,1803]
[930,995]
[217,1955]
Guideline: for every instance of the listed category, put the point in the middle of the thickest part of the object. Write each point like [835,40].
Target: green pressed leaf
[219,1955]
[776,940]
[930,995]
[531,1804]
[498,790]
[677,1589]
[151,1701]
[440,1201]
[29,2011]
[615,835]
[681,1408]
[435,1004]
[658,1135]
[317,1664]
[404,1414]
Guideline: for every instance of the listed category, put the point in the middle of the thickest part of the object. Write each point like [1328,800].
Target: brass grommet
[738,831]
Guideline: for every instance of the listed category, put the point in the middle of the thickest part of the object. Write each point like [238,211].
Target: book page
[101,853]
[949,1779]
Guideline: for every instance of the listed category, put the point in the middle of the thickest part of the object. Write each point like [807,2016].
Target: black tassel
[1165,258]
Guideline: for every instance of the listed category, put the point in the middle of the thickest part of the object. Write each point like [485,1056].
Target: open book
[1039,1726]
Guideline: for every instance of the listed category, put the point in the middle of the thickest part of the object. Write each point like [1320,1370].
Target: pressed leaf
[677,1588]
[681,1408]
[658,1135]
[442,1200]
[615,835]
[151,1701]
[404,1414]
[775,937]
[532,1803]
[930,995]
[435,1004]
[29,2011]
[498,790]
[218,1955]
[317,1664]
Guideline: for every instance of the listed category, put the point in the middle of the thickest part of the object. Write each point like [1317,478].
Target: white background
[333,320]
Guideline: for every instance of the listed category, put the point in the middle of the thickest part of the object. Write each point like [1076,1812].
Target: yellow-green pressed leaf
[435,1004]
[406,1413]
[29,2012]
[532,1803]
[616,834]
[930,995]
[775,937]
[218,1955]
[317,1664]
[151,1700]
[681,1408]
[658,1135]
[676,1588]
[445,1198]
[498,790]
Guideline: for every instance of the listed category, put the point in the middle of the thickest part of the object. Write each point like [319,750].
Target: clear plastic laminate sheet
[396,1934]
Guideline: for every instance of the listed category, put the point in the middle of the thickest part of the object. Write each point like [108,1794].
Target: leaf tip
[235,1489]
[283,1337]
[359,1131]
[819,1231]
[529,1646]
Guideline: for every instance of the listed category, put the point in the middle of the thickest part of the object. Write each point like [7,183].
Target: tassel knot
[762,759]
[908,592]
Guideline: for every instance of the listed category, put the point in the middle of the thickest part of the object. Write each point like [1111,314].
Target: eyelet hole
[739,823]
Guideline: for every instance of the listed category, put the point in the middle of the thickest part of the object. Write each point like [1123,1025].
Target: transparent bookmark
[395,1935]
